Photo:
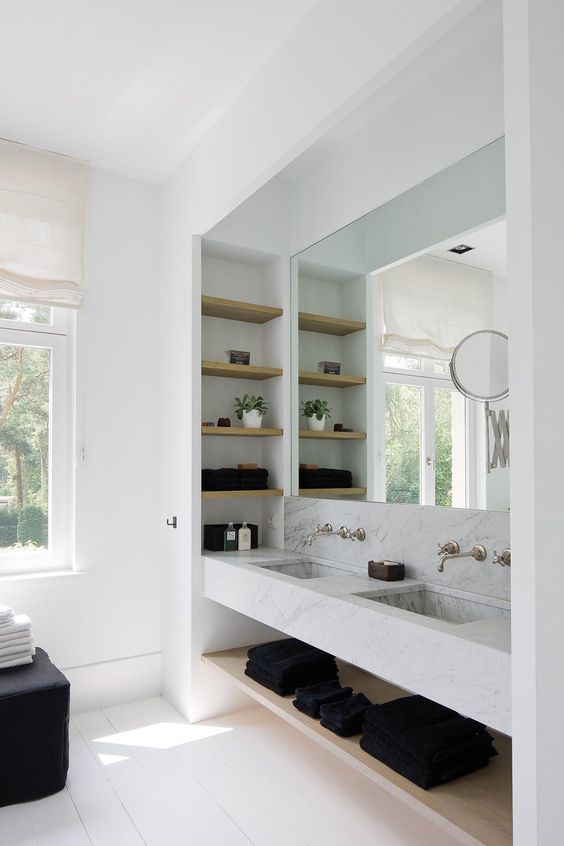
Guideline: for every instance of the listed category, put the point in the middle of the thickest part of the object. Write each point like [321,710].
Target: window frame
[58,337]
[427,380]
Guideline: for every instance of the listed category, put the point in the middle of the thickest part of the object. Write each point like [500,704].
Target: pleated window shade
[430,304]
[42,200]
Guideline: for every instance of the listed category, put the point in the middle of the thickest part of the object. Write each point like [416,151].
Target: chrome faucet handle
[502,558]
[448,548]
[359,534]
[346,534]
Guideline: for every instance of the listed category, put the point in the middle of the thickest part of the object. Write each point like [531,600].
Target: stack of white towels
[17,644]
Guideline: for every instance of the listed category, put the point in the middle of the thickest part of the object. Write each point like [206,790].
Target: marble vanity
[450,645]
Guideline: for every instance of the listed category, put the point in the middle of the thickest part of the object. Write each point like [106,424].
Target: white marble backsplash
[405,533]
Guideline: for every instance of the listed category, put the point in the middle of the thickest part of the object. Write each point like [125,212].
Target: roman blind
[430,304]
[42,200]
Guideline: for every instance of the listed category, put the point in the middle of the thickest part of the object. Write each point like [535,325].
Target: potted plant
[250,410]
[316,413]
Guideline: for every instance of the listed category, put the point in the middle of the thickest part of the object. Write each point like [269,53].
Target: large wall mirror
[378,310]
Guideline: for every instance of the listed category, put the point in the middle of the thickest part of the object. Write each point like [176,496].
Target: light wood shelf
[476,807]
[239,371]
[332,491]
[238,494]
[333,436]
[235,310]
[328,325]
[241,432]
[326,380]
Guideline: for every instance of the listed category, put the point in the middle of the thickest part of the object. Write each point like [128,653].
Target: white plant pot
[252,419]
[315,425]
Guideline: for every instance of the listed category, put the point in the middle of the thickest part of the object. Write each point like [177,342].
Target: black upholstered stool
[34,730]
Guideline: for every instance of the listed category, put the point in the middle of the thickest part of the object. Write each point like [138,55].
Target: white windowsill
[48,574]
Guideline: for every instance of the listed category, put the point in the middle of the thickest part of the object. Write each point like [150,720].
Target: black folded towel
[310,699]
[224,479]
[253,485]
[315,672]
[345,718]
[256,473]
[278,656]
[423,728]
[221,473]
[306,673]
[416,771]
[325,472]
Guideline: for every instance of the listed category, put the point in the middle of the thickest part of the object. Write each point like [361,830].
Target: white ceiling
[131,85]
[489,253]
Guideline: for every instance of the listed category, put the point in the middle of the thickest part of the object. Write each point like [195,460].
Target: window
[34,437]
[426,433]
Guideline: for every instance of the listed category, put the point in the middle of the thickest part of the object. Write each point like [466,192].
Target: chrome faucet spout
[478,553]
[327,529]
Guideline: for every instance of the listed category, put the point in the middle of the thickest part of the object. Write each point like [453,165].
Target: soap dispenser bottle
[230,538]
[244,537]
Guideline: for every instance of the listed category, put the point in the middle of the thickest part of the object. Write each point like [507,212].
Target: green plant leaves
[316,408]
[248,403]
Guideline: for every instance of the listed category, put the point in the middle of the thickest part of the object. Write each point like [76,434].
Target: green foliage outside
[24,443]
[403,445]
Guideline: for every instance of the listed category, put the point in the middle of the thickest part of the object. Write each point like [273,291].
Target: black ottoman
[34,730]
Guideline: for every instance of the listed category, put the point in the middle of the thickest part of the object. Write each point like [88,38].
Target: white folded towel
[6,615]
[12,636]
[19,639]
[16,662]
[8,654]
[17,646]
[20,623]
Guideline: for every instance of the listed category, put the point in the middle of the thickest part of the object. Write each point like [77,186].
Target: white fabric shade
[42,200]
[430,304]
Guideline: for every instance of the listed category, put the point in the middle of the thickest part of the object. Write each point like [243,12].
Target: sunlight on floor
[162,735]
[106,760]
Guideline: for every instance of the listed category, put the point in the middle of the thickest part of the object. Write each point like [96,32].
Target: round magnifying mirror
[479,366]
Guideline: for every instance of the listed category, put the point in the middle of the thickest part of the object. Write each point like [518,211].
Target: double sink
[426,599]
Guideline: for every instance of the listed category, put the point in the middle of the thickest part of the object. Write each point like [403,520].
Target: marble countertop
[465,666]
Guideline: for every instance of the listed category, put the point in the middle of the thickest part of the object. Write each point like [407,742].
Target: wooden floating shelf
[332,491]
[326,380]
[241,432]
[328,325]
[333,436]
[239,494]
[235,310]
[476,806]
[239,371]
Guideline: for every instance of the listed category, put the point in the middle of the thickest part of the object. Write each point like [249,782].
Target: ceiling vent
[460,249]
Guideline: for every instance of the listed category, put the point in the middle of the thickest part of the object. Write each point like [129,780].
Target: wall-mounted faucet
[502,558]
[451,549]
[344,533]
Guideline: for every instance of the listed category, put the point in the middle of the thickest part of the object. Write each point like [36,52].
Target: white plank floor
[140,774]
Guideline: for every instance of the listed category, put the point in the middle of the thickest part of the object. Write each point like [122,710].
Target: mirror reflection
[379,412]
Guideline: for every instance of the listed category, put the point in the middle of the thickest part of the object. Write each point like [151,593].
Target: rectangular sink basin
[442,604]
[305,569]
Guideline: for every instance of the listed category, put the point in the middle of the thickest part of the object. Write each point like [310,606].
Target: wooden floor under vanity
[476,808]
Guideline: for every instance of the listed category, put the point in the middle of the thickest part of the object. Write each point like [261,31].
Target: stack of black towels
[232,479]
[325,477]
[340,710]
[424,741]
[284,665]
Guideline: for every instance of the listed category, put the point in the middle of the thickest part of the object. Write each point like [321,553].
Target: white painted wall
[534,70]
[287,106]
[451,106]
[103,628]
